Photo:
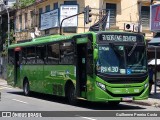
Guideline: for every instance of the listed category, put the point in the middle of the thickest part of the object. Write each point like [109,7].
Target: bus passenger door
[16,67]
[81,69]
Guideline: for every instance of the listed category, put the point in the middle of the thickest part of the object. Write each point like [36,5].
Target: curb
[141,103]
[155,104]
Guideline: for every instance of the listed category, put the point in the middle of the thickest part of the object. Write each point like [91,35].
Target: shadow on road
[81,103]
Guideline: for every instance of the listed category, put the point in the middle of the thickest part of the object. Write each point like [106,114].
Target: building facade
[45,16]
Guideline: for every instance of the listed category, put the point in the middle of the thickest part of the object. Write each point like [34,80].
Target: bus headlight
[102,86]
[146,85]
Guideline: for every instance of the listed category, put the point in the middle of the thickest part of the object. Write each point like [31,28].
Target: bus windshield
[121,59]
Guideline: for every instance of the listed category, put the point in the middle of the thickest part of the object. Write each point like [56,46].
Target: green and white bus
[96,66]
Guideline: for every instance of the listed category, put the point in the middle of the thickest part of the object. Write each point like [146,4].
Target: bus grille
[124,95]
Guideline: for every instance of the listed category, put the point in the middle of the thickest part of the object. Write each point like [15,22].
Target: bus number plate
[127,99]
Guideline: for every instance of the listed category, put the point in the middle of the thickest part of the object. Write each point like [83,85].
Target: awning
[154,41]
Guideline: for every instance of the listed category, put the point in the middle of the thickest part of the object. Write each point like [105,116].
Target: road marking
[85,117]
[20,101]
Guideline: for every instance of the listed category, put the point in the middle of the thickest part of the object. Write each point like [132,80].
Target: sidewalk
[3,82]
[153,100]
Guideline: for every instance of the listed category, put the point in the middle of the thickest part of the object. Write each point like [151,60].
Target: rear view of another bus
[121,67]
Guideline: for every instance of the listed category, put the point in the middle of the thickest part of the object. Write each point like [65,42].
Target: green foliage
[23,3]
[12,40]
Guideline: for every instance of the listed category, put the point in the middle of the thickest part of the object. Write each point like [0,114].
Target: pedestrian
[151,72]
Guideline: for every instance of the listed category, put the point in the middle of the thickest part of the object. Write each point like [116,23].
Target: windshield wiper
[115,49]
[133,48]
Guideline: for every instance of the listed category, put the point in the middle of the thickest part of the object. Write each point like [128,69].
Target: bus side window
[31,58]
[66,53]
[40,52]
[23,56]
[53,53]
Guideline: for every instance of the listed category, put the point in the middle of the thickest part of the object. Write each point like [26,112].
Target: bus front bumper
[121,94]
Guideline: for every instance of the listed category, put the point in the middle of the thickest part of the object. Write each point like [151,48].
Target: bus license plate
[127,99]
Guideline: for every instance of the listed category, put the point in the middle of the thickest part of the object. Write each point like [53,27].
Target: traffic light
[87,14]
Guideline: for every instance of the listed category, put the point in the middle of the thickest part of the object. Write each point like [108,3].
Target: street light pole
[8,21]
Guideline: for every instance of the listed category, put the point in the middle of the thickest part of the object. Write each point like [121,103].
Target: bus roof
[41,40]
[52,38]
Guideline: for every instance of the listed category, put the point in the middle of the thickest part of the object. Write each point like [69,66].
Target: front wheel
[71,95]
[26,88]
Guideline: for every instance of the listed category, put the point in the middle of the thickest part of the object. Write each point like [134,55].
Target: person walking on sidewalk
[151,72]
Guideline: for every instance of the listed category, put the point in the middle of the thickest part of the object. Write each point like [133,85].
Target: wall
[127,12]
[23,34]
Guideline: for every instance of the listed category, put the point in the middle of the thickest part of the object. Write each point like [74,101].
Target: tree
[24,3]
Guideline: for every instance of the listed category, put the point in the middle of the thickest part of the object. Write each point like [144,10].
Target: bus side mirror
[95,54]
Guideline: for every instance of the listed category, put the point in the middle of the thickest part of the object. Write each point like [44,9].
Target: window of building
[17,24]
[66,53]
[145,16]
[112,8]
[70,2]
[20,22]
[47,8]
[55,6]
[31,55]
[25,19]
[40,12]
[32,15]
[53,54]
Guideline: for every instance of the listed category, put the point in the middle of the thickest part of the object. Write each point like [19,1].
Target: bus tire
[26,88]
[113,103]
[71,95]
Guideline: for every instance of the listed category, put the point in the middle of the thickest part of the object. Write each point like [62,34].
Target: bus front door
[16,67]
[81,70]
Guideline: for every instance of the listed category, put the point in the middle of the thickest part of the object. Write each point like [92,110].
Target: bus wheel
[113,103]
[71,95]
[26,88]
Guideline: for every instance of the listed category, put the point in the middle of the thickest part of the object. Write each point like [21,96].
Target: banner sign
[155,17]
[66,11]
[49,19]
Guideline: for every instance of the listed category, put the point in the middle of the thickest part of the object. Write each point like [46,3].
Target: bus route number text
[113,69]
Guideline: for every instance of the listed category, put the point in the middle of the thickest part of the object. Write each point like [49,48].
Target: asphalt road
[12,99]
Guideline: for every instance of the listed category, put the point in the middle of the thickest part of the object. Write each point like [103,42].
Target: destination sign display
[120,37]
